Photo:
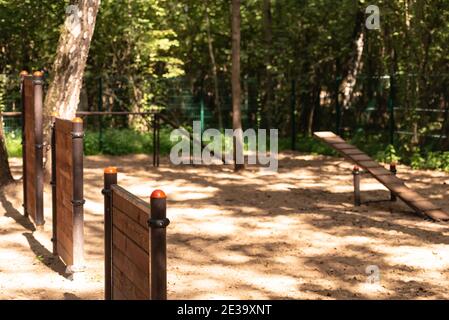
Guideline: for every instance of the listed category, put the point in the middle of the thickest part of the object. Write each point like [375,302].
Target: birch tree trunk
[355,63]
[63,95]
[71,57]
[236,86]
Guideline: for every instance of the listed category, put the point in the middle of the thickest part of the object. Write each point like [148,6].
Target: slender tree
[236,87]
[71,56]
[268,42]
[214,67]
[355,63]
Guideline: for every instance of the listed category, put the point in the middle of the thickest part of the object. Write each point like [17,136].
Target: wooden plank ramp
[384,176]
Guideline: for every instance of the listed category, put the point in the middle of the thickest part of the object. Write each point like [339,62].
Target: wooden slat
[136,255]
[379,171]
[424,205]
[64,191]
[342,146]
[139,278]
[125,288]
[369,164]
[360,157]
[135,208]
[394,184]
[132,229]
[353,152]
[118,294]
[437,214]
[130,246]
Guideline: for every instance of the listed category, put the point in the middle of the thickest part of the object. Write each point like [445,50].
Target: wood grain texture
[384,176]
[131,253]
[64,191]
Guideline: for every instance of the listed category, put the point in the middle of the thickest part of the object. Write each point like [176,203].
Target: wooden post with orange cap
[158,224]
[78,193]
[110,179]
[357,176]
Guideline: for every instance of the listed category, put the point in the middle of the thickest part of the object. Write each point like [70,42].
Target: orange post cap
[110,170]
[158,194]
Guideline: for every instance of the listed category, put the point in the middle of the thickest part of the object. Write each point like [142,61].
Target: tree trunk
[355,63]
[68,69]
[5,172]
[214,68]
[73,49]
[236,85]
[268,30]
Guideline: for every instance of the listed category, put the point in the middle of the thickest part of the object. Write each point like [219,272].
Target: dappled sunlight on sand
[254,235]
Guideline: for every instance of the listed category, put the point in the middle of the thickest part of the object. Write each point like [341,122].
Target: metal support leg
[356,174]
[394,171]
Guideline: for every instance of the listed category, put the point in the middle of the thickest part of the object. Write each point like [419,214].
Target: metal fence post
[293,113]
[158,224]
[23,74]
[391,105]
[394,171]
[202,117]
[38,82]
[53,186]
[78,194]
[356,174]
[100,108]
[337,106]
[110,178]
[154,139]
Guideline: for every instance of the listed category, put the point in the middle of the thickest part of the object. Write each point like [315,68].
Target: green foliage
[310,145]
[388,155]
[141,47]
[123,142]
[14,143]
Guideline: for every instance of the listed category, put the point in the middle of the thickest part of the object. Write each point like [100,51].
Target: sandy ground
[258,235]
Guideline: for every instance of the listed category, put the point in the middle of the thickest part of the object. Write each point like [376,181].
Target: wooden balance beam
[396,186]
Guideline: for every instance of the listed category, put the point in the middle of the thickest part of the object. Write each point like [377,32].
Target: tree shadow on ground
[45,256]
[13,213]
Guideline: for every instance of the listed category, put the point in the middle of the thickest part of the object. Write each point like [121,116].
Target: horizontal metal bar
[91,113]
[436,136]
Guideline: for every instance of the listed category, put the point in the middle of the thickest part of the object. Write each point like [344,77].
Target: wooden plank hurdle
[32,155]
[387,177]
[135,243]
[67,191]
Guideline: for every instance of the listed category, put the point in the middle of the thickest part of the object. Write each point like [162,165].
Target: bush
[14,144]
